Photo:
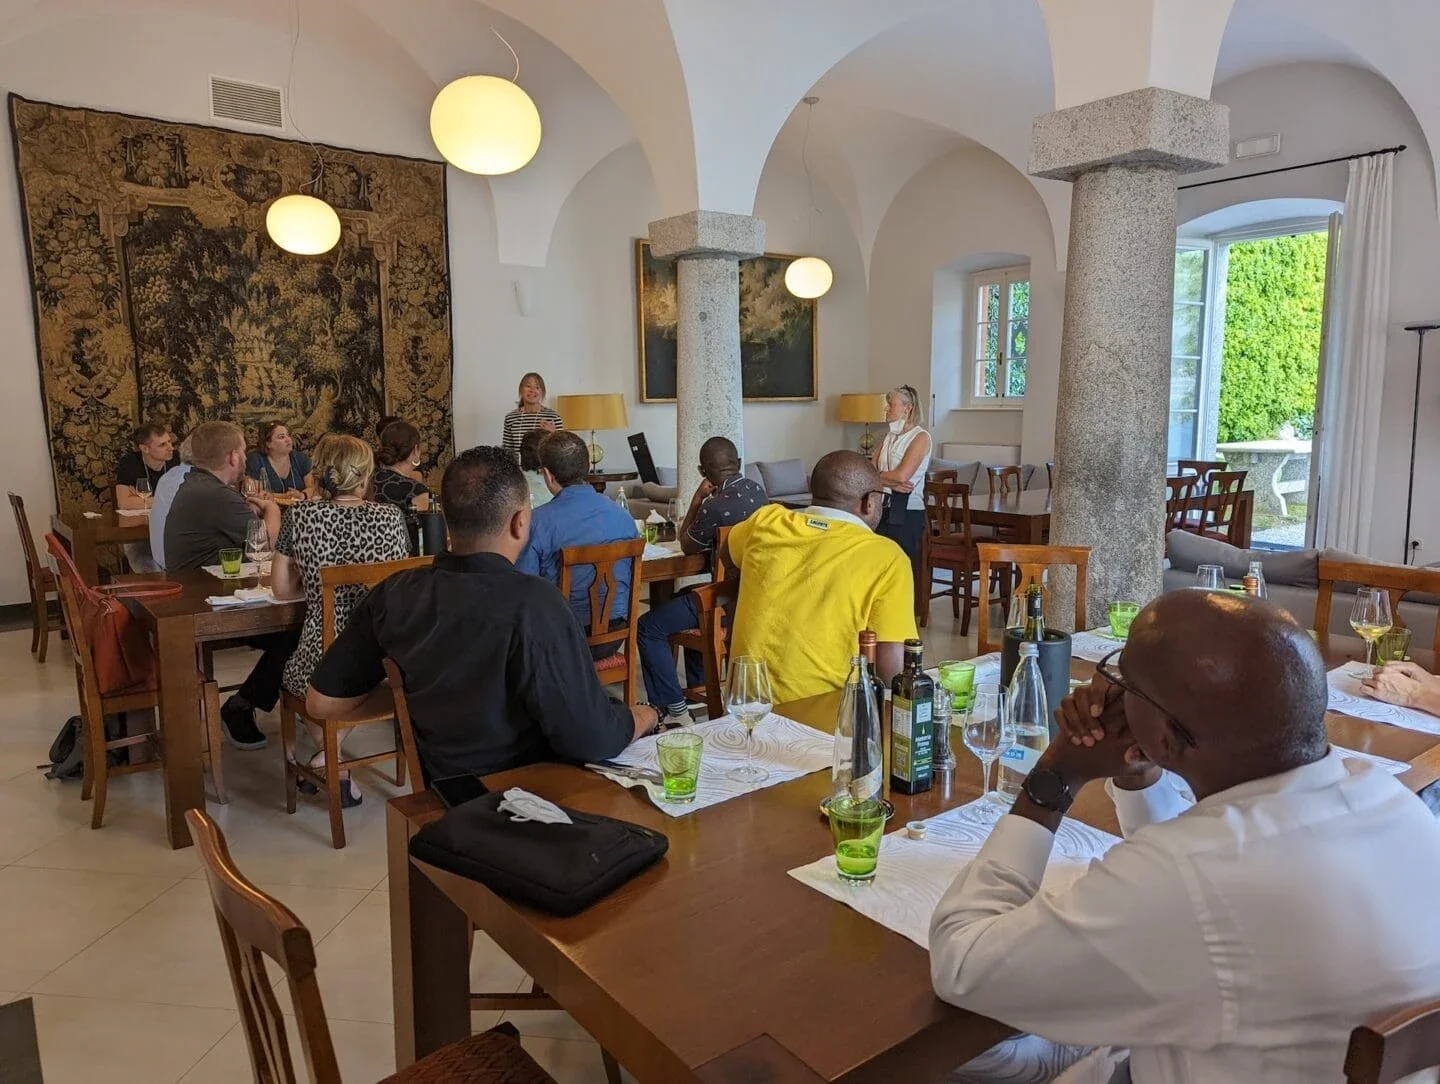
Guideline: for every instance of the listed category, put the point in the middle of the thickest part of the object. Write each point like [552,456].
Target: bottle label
[1020,758]
[911,740]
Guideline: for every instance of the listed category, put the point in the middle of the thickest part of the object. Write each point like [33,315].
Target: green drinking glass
[1121,615]
[1393,646]
[679,752]
[958,679]
[652,533]
[230,560]
[857,825]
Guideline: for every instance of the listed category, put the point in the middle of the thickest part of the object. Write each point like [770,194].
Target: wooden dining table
[1026,513]
[86,534]
[713,965]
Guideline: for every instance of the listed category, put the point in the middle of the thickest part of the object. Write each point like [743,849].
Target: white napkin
[987,669]
[524,806]
[132,511]
[1094,645]
[91,515]
[654,517]
[246,596]
[247,568]
[1348,698]
[656,552]
[1394,767]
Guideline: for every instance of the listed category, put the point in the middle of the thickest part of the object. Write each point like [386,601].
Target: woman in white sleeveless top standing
[902,459]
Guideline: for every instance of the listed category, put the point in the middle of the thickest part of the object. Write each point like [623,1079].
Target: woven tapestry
[158,293]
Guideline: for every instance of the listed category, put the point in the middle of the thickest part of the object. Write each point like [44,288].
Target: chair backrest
[1198,467]
[947,514]
[1222,497]
[408,749]
[1032,562]
[1398,580]
[604,589]
[1179,491]
[1005,480]
[335,577]
[86,683]
[713,600]
[949,474]
[1395,1045]
[33,566]
[254,925]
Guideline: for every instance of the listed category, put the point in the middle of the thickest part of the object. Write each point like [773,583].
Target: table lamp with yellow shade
[592,412]
[864,408]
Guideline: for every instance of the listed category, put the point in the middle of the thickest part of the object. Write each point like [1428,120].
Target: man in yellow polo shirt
[811,581]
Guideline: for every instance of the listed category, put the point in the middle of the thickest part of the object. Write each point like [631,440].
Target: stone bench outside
[1266,460]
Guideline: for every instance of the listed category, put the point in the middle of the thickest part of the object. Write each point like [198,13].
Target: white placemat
[247,568]
[1394,767]
[783,747]
[912,874]
[1094,645]
[987,669]
[1347,698]
[245,596]
[132,511]
[656,552]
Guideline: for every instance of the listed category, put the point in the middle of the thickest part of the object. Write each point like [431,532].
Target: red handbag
[119,649]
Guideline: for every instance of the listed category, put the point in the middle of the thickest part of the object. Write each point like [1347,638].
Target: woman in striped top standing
[530,413]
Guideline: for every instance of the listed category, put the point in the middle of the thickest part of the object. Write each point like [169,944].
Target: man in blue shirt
[576,516]
[165,490]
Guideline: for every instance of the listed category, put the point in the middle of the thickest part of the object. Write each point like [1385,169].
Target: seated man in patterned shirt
[725,497]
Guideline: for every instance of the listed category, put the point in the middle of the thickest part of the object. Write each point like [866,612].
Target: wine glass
[749,698]
[989,733]
[142,490]
[1210,577]
[257,543]
[250,487]
[1370,617]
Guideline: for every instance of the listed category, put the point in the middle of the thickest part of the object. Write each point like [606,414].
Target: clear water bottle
[858,768]
[623,501]
[1258,571]
[1030,716]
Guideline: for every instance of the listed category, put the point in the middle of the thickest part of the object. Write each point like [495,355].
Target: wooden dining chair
[255,926]
[1032,562]
[1398,580]
[380,708]
[624,664]
[1006,480]
[708,639]
[39,579]
[1179,491]
[1200,469]
[1395,1045]
[947,474]
[948,544]
[1222,499]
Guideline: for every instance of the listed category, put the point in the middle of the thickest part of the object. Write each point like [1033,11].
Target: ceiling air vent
[250,103]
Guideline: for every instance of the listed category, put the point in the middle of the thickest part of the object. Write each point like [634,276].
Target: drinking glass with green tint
[230,561]
[1394,646]
[958,679]
[679,753]
[857,825]
[652,533]
[1121,614]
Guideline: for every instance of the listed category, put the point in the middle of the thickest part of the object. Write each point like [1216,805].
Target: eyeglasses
[1112,674]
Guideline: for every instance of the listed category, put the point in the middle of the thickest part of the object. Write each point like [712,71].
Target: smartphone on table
[456,790]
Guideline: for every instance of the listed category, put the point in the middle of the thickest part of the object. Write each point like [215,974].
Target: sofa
[1292,580]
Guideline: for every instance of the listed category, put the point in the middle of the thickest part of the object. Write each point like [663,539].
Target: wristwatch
[1047,790]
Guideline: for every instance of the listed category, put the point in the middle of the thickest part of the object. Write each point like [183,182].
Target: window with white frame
[999,339]
[1188,343]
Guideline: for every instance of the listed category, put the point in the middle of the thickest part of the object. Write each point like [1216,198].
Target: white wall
[958,208]
[1322,111]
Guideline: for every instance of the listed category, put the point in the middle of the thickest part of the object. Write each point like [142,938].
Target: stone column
[708,247]
[1123,155]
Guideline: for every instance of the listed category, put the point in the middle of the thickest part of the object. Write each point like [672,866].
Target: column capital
[1148,127]
[707,233]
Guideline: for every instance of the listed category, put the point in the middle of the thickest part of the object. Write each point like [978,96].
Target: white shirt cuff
[1020,844]
[1161,801]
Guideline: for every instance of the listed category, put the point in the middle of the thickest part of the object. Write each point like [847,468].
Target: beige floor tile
[169,952]
[364,1051]
[84,1040]
[48,916]
[550,1024]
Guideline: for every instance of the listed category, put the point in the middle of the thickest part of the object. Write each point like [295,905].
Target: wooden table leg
[180,723]
[429,954]
[82,547]
[661,592]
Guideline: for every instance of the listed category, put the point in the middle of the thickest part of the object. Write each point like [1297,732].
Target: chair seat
[492,1057]
[611,662]
[379,707]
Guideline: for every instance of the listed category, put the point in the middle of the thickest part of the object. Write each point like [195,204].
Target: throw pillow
[782,477]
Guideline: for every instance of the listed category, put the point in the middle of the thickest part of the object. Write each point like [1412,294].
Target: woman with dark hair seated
[397,478]
[278,463]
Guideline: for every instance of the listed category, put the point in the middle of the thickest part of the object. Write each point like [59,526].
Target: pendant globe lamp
[809,277]
[485,124]
[302,222]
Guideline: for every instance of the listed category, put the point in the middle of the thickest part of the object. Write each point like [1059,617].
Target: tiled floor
[113,935]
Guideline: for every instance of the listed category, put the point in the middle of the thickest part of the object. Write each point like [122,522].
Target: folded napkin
[132,511]
[246,596]
[1347,698]
[91,515]
[1394,767]
[247,568]
[656,552]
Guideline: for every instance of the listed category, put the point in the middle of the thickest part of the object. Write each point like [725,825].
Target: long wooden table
[86,535]
[714,965]
[1027,513]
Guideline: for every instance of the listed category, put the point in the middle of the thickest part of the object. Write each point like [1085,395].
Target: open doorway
[1246,374]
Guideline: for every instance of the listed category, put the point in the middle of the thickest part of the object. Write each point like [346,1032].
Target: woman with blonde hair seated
[343,527]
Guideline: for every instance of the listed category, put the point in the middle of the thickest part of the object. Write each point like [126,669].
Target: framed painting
[778,340]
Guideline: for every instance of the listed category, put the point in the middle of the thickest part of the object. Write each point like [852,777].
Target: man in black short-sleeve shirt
[497,671]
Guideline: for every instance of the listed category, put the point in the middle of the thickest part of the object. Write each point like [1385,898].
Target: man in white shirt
[1234,940]
[165,490]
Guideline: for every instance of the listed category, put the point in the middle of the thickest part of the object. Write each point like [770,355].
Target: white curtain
[1355,359]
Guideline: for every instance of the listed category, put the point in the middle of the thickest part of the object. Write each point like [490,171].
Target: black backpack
[67,751]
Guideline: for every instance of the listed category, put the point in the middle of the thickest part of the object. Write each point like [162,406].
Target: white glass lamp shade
[809,276]
[303,224]
[485,124]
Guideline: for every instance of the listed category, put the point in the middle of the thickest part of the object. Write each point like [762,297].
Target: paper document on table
[245,596]
[1347,698]
[656,552]
[247,568]
[783,747]
[913,874]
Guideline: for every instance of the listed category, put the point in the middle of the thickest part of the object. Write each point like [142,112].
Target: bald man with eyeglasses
[1269,894]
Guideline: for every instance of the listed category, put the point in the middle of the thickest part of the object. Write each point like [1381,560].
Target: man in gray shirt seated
[208,515]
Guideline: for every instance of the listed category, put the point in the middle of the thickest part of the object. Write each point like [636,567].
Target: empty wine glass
[1210,577]
[142,490]
[257,543]
[1370,617]
[749,698]
[989,733]
[250,487]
